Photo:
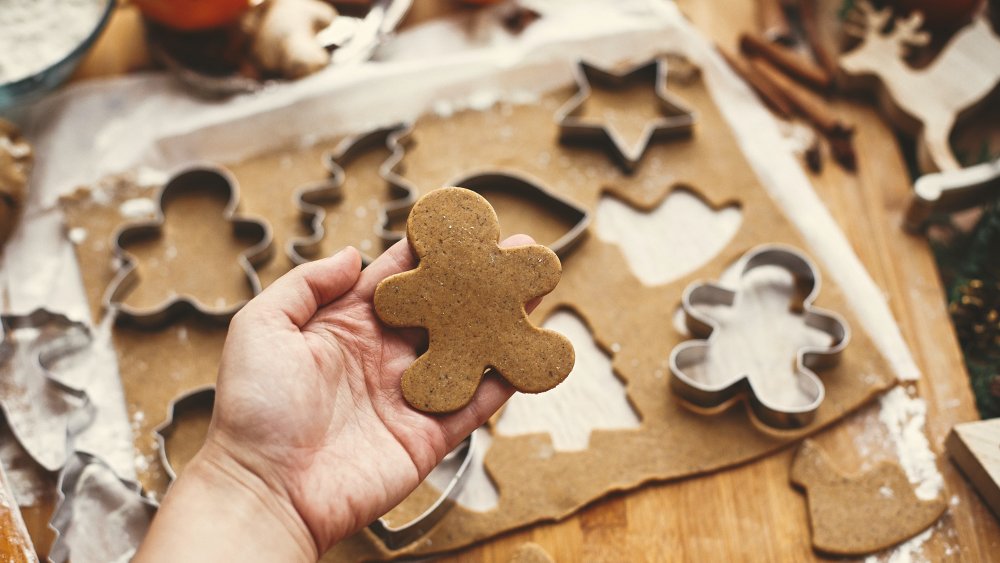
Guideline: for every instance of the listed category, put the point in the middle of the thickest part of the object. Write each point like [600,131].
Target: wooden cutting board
[751,512]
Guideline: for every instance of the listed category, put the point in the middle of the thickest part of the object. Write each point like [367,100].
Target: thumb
[302,291]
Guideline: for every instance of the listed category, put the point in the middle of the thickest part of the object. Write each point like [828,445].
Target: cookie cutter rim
[397,537]
[392,172]
[127,275]
[503,180]
[187,400]
[63,515]
[573,128]
[953,190]
[329,190]
[394,537]
[808,358]
[75,338]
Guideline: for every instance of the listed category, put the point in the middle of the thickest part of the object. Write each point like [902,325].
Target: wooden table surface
[751,512]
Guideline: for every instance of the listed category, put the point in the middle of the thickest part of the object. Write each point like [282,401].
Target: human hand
[311,437]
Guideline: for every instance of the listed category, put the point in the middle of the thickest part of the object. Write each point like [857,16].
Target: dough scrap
[16,158]
[859,514]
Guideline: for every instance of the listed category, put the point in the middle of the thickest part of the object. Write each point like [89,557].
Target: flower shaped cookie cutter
[43,412]
[196,179]
[89,480]
[677,119]
[310,198]
[690,353]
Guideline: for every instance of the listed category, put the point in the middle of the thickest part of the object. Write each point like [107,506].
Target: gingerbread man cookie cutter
[527,188]
[39,407]
[311,198]
[677,120]
[394,536]
[194,179]
[809,358]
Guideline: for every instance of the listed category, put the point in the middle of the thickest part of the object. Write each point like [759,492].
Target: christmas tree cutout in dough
[591,398]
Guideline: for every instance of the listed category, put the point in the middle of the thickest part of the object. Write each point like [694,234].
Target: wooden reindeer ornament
[925,101]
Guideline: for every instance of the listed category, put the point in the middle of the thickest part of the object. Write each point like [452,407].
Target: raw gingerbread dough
[625,316]
[469,294]
[15,165]
[859,514]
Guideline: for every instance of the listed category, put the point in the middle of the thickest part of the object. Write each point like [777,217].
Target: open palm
[309,396]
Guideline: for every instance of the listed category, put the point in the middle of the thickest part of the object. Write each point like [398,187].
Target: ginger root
[16,159]
[284,38]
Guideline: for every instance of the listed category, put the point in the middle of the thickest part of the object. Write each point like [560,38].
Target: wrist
[230,513]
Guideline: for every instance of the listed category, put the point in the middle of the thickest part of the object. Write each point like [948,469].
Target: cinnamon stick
[814,108]
[814,37]
[766,90]
[795,65]
[814,156]
[806,103]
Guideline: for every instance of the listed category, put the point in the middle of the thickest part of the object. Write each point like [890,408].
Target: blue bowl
[38,84]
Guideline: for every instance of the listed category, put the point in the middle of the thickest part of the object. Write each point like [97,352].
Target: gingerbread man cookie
[469,294]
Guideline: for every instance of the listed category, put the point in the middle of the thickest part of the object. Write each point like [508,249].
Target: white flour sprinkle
[911,551]
[38,33]
[137,207]
[904,416]
[77,235]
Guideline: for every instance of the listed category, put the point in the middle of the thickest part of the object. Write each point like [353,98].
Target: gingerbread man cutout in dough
[469,294]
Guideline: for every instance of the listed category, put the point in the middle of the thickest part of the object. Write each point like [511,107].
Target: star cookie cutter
[34,402]
[199,178]
[678,120]
[310,198]
[524,187]
[808,359]
[393,536]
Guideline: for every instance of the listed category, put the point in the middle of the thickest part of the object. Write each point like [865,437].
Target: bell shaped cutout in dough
[687,231]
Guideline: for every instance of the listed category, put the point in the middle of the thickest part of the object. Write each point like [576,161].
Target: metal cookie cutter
[40,409]
[677,121]
[396,537]
[952,191]
[89,479]
[311,198]
[693,352]
[196,179]
[526,188]
[200,399]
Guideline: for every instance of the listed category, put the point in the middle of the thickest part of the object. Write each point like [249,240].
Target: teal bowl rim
[77,52]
